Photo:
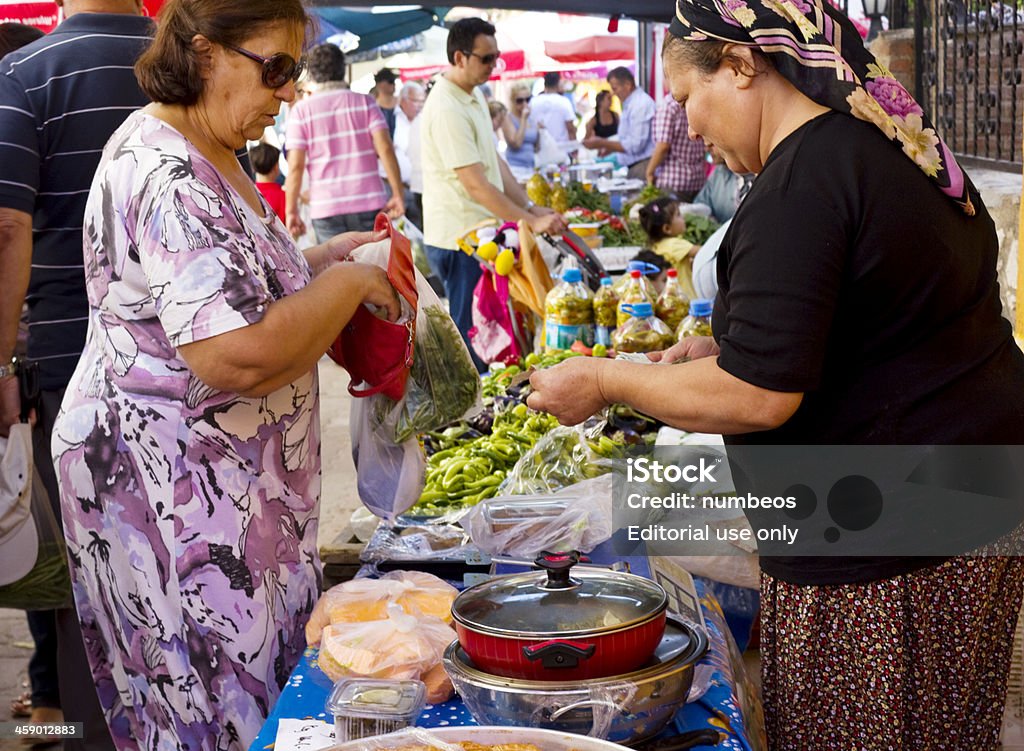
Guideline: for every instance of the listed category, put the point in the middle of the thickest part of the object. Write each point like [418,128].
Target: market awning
[592,49]
[641,10]
[379,27]
[509,64]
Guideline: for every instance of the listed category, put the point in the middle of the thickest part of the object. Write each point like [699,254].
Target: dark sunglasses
[278,69]
[490,59]
[523,99]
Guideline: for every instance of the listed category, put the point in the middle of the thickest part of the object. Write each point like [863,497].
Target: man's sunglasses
[278,69]
[523,99]
[490,59]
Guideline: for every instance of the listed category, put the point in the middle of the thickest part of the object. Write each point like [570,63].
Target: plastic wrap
[565,456]
[578,517]
[358,600]
[400,647]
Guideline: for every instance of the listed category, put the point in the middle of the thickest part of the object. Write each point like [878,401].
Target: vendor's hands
[650,176]
[395,207]
[296,227]
[571,390]
[690,348]
[377,290]
[545,220]
[339,246]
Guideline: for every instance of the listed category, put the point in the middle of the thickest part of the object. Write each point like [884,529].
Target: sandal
[22,705]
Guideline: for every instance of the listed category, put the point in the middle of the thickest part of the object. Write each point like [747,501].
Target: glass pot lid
[559,601]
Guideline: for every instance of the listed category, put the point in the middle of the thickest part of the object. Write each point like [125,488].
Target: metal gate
[969,58]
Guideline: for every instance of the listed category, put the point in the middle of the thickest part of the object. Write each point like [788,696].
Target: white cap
[19,541]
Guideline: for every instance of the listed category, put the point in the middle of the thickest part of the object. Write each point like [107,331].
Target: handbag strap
[401,270]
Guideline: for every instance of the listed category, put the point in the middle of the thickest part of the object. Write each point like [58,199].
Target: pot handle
[559,567]
[559,653]
[587,703]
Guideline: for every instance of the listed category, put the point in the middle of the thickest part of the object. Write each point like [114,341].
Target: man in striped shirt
[339,136]
[61,98]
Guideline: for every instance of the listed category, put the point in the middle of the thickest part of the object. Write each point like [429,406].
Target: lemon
[488,250]
[506,259]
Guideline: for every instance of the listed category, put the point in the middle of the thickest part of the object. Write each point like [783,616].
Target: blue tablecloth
[725,705]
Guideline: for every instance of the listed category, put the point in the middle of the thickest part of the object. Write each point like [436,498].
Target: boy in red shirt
[264,160]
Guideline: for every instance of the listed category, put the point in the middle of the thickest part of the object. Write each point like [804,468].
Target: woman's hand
[377,290]
[690,348]
[339,246]
[571,390]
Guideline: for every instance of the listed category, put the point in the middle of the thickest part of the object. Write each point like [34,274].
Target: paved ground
[338,501]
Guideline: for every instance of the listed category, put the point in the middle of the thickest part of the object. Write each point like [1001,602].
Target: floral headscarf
[818,50]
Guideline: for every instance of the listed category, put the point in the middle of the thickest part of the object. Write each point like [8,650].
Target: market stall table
[718,707]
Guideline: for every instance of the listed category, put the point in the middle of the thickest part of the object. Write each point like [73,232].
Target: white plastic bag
[358,600]
[578,517]
[548,150]
[401,647]
[389,476]
[443,384]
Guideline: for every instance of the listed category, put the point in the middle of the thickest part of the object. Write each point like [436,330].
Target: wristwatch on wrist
[10,368]
[529,205]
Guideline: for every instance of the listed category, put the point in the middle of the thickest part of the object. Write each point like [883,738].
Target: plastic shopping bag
[358,600]
[443,384]
[578,517]
[389,476]
[548,151]
[402,647]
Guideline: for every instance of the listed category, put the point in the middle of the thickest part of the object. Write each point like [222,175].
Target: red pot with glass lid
[561,624]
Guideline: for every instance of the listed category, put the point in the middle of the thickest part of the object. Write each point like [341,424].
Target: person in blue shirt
[635,142]
[522,134]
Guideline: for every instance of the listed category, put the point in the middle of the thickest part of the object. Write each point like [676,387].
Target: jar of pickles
[569,313]
[698,323]
[606,303]
[672,304]
[642,331]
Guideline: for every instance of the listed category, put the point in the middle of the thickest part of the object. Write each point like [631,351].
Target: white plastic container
[366,707]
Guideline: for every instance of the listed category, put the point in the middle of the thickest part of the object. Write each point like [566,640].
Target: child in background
[665,226]
[264,159]
[657,280]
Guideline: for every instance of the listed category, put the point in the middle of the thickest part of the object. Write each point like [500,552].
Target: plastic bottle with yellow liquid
[698,322]
[672,304]
[634,292]
[606,304]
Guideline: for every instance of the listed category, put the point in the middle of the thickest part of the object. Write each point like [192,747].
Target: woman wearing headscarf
[857,304]
[188,445]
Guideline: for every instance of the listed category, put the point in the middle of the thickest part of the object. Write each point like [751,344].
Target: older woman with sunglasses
[858,304]
[188,446]
[522,134]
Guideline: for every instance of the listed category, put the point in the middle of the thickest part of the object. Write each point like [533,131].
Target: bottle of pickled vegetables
[672,304]
[569,313]
[559,198]
[606,304]
[644,269]
[537,189]
[635,291]
[698,323]
[643,332]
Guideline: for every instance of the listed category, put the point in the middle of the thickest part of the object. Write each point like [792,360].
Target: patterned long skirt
[913,663]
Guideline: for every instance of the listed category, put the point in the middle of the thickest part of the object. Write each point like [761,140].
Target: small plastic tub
[365,707]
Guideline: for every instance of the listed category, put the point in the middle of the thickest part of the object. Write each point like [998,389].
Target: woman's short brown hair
[168,71]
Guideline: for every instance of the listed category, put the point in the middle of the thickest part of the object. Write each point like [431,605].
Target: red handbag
[373,350]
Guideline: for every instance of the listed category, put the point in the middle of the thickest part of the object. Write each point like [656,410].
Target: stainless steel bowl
[627,708]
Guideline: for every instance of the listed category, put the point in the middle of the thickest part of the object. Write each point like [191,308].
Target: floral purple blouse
[190,513]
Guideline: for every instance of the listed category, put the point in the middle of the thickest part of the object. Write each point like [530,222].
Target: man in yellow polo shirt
[464,179]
